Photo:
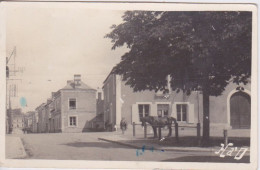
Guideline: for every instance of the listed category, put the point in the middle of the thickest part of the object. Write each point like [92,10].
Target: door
[240,111]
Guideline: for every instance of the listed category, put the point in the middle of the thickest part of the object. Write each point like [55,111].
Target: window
[182,112]
[72,121]
[72,104]
[143,110]
[163,110]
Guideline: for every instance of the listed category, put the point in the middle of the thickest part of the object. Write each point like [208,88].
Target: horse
[156,122]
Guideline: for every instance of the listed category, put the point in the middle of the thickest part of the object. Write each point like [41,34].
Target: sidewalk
[14,148]
[170,144]
[138,143]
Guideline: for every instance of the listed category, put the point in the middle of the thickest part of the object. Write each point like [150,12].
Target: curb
[182,149]
[120,143]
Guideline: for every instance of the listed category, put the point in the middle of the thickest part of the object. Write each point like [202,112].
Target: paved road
[86,146]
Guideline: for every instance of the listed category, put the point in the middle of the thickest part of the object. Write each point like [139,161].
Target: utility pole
[11,88]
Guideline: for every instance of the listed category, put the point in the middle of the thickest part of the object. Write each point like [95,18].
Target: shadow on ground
[245,159]
[95,144]
[191,141]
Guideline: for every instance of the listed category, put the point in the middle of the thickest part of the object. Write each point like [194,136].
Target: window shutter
[174,112]
[191,113]
[135,116]
[153,111]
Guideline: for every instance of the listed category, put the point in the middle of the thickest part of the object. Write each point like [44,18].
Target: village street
[87,146]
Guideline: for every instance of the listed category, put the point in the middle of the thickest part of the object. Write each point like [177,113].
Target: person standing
[123,125]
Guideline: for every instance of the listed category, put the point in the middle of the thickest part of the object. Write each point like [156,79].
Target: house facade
[98,121]
[28,122]
[17,122]
[229,110]
[70,109]
[35,123]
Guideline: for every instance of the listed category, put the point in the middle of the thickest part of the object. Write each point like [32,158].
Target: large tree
[201,51]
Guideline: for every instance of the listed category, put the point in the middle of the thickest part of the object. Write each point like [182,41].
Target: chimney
[99,96]
[77,79]
[52,94]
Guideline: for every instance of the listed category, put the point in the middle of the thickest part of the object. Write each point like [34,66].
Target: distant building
[8,121]
[41,115]
[17,122]
[98,122]
[28,122]
[35,124]
[70,109]
[231,109]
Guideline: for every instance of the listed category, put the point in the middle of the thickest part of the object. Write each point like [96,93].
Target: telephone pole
[11,86]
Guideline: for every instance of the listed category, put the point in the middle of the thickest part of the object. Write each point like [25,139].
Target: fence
[176,128]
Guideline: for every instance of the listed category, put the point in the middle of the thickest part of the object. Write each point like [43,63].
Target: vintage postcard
[128,85]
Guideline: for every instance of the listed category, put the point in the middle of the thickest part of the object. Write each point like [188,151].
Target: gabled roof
[82,86]
[111,72]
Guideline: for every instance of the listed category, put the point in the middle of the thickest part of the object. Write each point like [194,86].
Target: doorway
[240,110]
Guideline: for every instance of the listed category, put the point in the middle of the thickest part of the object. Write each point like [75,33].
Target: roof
[111,72]
[17,111]
[82,86]
[41,105]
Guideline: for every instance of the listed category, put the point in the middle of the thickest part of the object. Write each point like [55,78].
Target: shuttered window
[182,112]
[143,110]
[163,110]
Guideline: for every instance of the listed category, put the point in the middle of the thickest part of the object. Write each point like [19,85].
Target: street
[86,146]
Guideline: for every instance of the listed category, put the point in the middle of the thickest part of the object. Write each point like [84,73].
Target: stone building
[70,109]
[28,122]
[98,122]
[229,110]
[17,122]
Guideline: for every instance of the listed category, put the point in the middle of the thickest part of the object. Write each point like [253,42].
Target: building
[70,109]
[35,124]
[17,122]
[98,121]
[41,115]
[28,122]
[229,110]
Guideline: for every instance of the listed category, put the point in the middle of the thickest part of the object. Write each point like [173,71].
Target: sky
[54,43]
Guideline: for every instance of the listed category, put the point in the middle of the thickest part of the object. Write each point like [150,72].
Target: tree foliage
[199,50]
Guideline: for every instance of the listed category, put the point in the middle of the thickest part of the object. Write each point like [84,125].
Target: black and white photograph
[171,84]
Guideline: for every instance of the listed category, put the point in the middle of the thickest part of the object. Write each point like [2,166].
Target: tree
[202,51]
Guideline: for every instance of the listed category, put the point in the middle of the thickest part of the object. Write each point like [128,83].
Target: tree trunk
[205,138]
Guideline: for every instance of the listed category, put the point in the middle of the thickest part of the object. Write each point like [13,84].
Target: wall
[110,99]
[129,98]
[218,105]
[85,109]
[18,122]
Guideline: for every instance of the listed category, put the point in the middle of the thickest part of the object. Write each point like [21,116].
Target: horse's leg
[170,130]
[155,131]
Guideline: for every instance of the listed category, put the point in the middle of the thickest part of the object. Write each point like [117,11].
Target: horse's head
[143,120]
[172,119]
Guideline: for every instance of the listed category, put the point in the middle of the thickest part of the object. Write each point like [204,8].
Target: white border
[132,164]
